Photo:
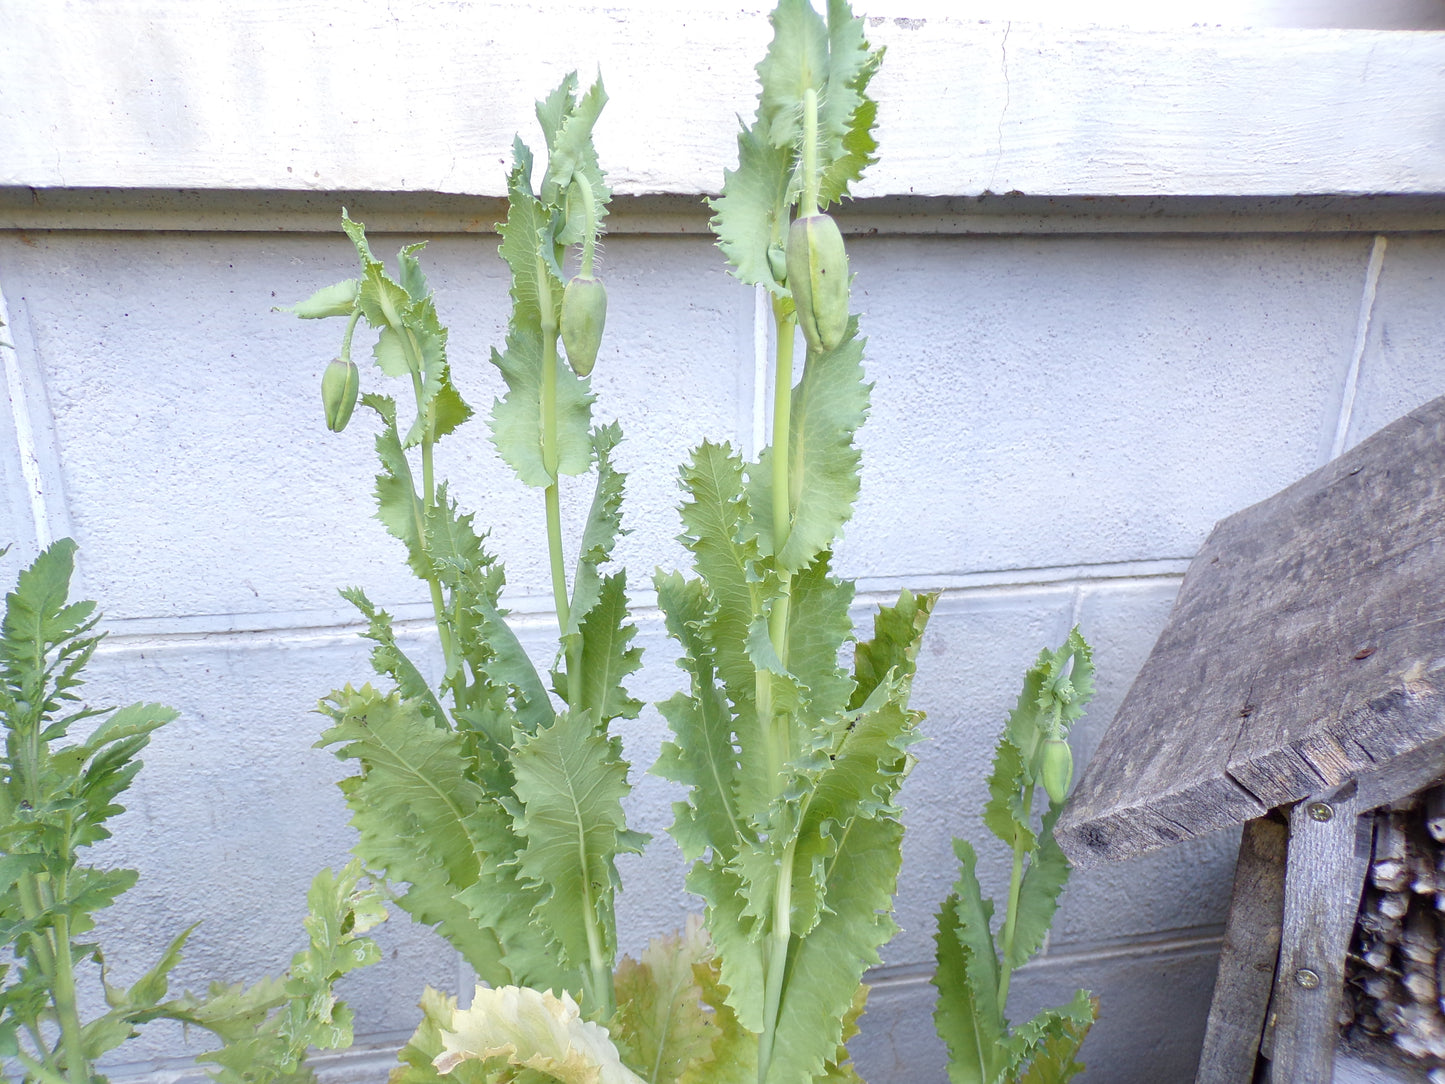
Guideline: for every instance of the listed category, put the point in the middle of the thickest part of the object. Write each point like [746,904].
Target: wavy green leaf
[570,784]
[968,1016]
[829,404]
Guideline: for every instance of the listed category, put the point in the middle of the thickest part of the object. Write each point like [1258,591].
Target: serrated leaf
[661,1028]
[702,756]
[569,143]
[1054,1038]
[734,1055]
[420,819]
[829,404]
[968,1016]
[826,967]
[740,953]
[608,657]
[570,783]
[1047,873]
[797,61]
[600,532]
[1005,814]
[336,300]
[751,215]
[714,519]
[897,635]
[533,1029]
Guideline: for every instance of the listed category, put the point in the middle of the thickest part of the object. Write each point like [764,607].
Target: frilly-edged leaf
[846,114]
[662,1027]
[535,1030]
[1053,1039]
[608,656]
[840,1068]
[527,221]
[740,953]
[397,504]
[701,756]
[734,1055]
[509,664]
[336,300]
[420,819]
[818,627]
[1047,873]
[268,1027]
[968,1016]
[425,1045]
[570,784]
[826,967]
[601,531]
[1068,688]
[1004,814]
[897,635]
[751,215]
[412,279]
[797,61]
[517,418]
[829,404]
[715,514]
[567,122]
[389,660]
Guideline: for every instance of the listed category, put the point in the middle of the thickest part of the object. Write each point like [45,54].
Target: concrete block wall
[1072,386]
[1057,423]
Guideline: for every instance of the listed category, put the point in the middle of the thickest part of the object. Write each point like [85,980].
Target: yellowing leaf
[533,1029]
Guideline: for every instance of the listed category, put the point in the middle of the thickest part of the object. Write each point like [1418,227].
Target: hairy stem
[809,204]
[589,238]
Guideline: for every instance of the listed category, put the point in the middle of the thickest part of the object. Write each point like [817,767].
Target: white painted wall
[1069,393]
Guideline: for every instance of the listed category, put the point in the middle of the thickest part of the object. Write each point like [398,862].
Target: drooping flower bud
[1056,768]
[340,385]
[584,314]
[818,278]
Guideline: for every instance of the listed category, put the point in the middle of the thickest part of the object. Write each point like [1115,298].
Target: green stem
[350,330]
[428,500]
[598,982]
[65,1009]
[1016,880]
[810,153]
[589,238]
[42,1073]
[779,731]
[779,940]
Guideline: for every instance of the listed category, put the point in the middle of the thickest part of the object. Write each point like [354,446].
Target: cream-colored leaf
[533,1029]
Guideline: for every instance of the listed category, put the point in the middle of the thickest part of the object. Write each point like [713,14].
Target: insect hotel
[1296,690]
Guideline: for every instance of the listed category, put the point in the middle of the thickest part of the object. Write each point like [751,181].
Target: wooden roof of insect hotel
[1306,647]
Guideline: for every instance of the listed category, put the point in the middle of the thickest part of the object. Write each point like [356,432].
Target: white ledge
[347,95]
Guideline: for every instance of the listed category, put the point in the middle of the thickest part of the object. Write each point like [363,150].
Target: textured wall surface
[1057,423]
[1073,383]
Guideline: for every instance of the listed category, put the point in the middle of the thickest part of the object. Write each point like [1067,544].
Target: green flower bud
[778,264]
[1056,768]
[584,314]
[340,385]
[818,277]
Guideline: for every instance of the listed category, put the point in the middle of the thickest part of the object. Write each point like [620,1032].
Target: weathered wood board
[1307,646]
[1248,957]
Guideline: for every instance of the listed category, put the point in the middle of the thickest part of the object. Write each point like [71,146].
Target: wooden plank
[1304,648]
[1248,957]
[253,94]
[1329,850]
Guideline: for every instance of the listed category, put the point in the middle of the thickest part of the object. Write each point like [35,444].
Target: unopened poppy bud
[340,385]
[1056,768]
[584,314]
[818,278]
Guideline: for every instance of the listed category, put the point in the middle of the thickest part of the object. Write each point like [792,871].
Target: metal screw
[1307,978]
[1320,811]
